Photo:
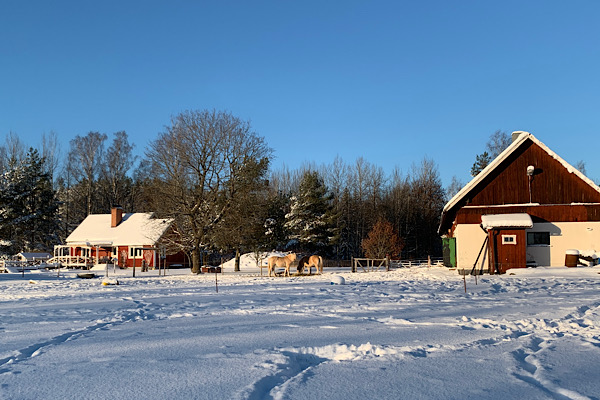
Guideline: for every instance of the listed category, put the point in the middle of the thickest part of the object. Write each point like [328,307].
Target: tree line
[212,175]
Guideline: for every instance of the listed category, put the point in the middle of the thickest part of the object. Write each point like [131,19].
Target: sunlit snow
[406,334]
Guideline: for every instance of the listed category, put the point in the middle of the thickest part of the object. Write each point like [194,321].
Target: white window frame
[509,239]
[136,252]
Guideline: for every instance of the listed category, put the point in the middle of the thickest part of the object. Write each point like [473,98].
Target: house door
[507,249]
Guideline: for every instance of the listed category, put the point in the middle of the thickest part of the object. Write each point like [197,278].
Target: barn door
[507,249]
[449,252]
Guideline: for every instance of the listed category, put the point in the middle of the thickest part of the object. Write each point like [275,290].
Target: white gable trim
[502,156]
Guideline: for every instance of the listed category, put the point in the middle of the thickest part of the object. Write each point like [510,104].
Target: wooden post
[352,265]
[216,281]
[465,280]
[134,263]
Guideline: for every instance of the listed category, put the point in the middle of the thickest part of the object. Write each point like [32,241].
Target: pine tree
[481,161]
[311,218]
[28,206]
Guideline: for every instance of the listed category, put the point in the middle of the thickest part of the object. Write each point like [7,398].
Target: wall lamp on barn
[530,171]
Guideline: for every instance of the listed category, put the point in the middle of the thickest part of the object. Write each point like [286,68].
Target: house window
[538,238]
[135,252]
[509,239]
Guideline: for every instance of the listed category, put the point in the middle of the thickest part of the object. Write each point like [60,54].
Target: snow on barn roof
[135,229]
[523,136]
[519,220]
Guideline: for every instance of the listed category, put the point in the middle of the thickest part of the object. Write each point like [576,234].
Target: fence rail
[385,264]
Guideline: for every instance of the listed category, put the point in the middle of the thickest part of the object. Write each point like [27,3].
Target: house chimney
[116,216]
[516,134]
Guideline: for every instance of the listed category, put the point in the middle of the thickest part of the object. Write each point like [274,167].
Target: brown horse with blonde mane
[279,262]
[311,261]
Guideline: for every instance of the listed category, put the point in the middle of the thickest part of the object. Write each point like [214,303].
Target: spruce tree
[311,218]
[28,206]
[481,161]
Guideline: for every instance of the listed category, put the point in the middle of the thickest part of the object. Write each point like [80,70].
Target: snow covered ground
[405,334]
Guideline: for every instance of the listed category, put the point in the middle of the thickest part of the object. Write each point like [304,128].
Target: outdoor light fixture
[530,170]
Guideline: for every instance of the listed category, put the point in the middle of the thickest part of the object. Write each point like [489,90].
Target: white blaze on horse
[279,262]
[311,261]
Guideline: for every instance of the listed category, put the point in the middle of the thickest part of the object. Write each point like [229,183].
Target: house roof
[517,220]
[136,229]
[32,255]
[522,137]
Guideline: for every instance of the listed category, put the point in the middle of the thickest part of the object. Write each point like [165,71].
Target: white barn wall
[583,236]
[469,239]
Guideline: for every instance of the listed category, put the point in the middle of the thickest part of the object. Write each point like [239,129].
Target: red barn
[527,207]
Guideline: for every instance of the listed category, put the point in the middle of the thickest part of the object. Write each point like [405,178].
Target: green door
[449,249]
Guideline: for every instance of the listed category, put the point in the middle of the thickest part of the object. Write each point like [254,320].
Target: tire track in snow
[140,313]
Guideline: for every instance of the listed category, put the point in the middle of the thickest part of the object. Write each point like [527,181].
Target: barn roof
[136,229]
[521,138]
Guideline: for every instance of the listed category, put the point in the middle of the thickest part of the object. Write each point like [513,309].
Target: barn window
[509,239]
[538,238]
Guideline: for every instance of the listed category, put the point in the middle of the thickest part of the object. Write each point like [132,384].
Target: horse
[285,261]
[302,263]
[311,261]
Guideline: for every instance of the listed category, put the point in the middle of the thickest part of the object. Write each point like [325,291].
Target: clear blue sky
[389,81]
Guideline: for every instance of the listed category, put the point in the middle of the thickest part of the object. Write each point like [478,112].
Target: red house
[528,207]
[118,238]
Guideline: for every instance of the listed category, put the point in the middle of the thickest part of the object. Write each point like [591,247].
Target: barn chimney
[516,134]
[116,216]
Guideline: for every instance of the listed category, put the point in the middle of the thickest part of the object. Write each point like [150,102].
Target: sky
[393,82]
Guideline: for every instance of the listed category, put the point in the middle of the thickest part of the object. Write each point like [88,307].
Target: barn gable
[527,207]
[505,182]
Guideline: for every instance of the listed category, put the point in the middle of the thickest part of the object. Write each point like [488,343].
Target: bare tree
[51,154]
[118,162]
[84,163]
[454,187]
[497,142]
[13,150]
[201,161]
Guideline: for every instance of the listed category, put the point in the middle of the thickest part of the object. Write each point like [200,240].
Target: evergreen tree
[481,161]
[311,218]
[28,206]
[275,235]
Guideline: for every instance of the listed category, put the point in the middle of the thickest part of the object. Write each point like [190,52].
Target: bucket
[572,258]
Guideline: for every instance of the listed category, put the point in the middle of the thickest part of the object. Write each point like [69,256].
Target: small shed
[33,257]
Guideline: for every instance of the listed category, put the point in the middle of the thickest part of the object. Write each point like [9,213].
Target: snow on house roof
[135,229]
[518,220]
[34,255]
[523,136]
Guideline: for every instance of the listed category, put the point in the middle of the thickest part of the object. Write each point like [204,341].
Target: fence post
[387,263]
[353,265]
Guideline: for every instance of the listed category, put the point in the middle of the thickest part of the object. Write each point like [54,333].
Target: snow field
[410,333]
